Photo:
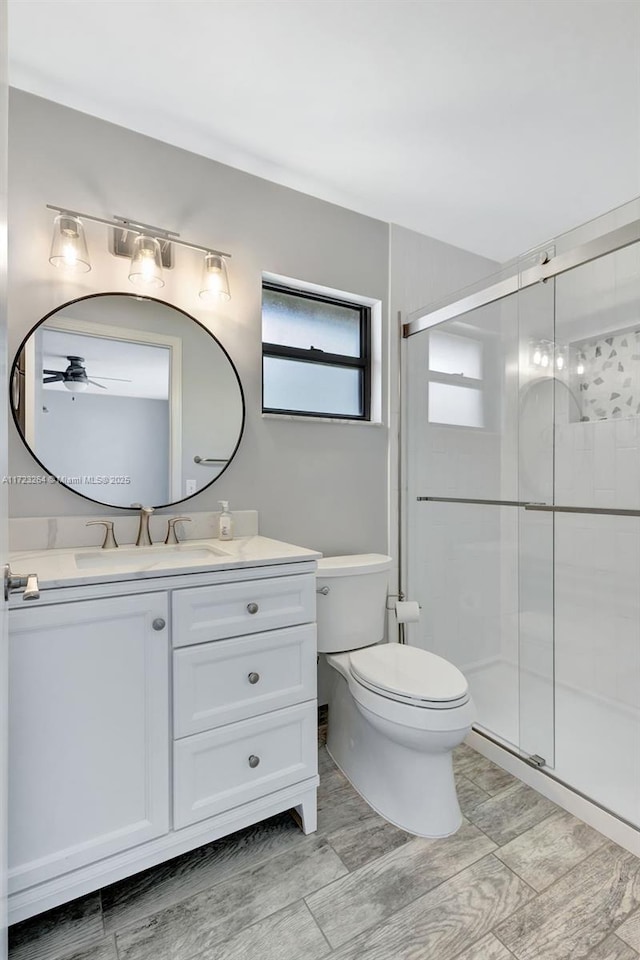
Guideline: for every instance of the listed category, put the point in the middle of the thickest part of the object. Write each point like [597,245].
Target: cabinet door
[88,733]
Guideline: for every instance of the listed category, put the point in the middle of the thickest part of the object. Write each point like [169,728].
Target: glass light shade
[75,386]
[69,245]
[146,263]
[215,282]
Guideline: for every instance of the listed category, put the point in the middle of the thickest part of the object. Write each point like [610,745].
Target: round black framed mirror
[127,400]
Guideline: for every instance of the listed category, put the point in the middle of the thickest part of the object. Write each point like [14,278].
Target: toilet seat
[409,675]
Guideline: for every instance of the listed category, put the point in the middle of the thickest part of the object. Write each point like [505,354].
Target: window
[316,354]
[455,394]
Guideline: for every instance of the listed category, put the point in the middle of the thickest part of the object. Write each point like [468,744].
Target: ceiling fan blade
[55,379]
[119,379]
[102,387]
[54,373]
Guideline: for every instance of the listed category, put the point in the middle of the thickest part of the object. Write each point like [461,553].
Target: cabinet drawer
[218,683]
[217,771]
[235,609]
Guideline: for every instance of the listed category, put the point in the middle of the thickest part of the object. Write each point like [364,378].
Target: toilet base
[411,786]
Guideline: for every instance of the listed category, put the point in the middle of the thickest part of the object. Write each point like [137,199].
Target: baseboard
[575,803]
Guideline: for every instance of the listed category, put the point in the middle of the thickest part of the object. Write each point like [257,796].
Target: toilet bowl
[395,712]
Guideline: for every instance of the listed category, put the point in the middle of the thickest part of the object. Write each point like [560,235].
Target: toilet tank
[352,598]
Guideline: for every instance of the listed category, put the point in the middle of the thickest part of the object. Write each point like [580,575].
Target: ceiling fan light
[69,244]
[75,386]
[146,263]
[215,282]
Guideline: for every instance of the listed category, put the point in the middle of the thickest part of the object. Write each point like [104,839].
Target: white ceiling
[491,124]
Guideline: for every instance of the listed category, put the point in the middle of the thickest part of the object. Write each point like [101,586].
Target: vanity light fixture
[215,282]
[547,354]
[149,249]
[540,352]
[146,262]
[69,244]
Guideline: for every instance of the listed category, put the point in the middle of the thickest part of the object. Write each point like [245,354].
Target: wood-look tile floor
[521,879]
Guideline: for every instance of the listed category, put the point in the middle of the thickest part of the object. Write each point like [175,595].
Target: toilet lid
[408,672]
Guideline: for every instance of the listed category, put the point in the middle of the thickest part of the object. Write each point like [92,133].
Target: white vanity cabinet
[88,725]
[229,686]
[144,724]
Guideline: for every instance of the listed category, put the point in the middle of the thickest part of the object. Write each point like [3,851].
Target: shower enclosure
[521,452]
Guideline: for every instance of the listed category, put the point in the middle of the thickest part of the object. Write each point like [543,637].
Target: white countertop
[88,565]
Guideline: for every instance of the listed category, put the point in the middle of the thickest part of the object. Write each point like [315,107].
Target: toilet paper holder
[394,596]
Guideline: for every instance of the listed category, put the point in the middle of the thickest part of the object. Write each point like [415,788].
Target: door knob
[159,623]
[253,761]
[254,677]
[252,607]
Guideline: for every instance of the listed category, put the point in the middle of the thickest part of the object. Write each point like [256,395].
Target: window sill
[305,419]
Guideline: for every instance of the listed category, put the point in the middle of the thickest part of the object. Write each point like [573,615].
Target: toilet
[395,712]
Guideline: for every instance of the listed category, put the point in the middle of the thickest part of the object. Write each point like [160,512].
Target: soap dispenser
[225,522]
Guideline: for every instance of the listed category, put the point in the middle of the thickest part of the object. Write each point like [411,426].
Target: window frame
[321,357]
[462,380]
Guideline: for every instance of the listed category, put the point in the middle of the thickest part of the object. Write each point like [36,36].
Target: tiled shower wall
[604,377]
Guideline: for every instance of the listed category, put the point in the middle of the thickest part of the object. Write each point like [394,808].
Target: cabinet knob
[159,623]
[252,607]
[253,761]
[254,677]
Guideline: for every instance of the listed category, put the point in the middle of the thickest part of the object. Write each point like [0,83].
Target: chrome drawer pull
[252,607]
[253,761]
[254,677]
[159,623]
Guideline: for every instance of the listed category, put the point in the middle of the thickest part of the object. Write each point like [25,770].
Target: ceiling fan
[75,376]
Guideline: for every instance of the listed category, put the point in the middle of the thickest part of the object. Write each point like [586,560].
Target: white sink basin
[149,558]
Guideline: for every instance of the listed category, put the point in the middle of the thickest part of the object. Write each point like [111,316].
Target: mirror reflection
[127,400]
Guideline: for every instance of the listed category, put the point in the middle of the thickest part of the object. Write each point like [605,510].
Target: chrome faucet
[144,537]
[109,542]
[172,535]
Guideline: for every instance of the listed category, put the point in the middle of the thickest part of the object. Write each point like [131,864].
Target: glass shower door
[521,437]
[471,551]
[537,369]
[597,568]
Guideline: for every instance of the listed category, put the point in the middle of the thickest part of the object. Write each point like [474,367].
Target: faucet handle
[109,542]
[172,536]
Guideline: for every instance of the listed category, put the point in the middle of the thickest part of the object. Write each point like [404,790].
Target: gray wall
[90,435]
[320,485]
[326,485]
[211,398]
